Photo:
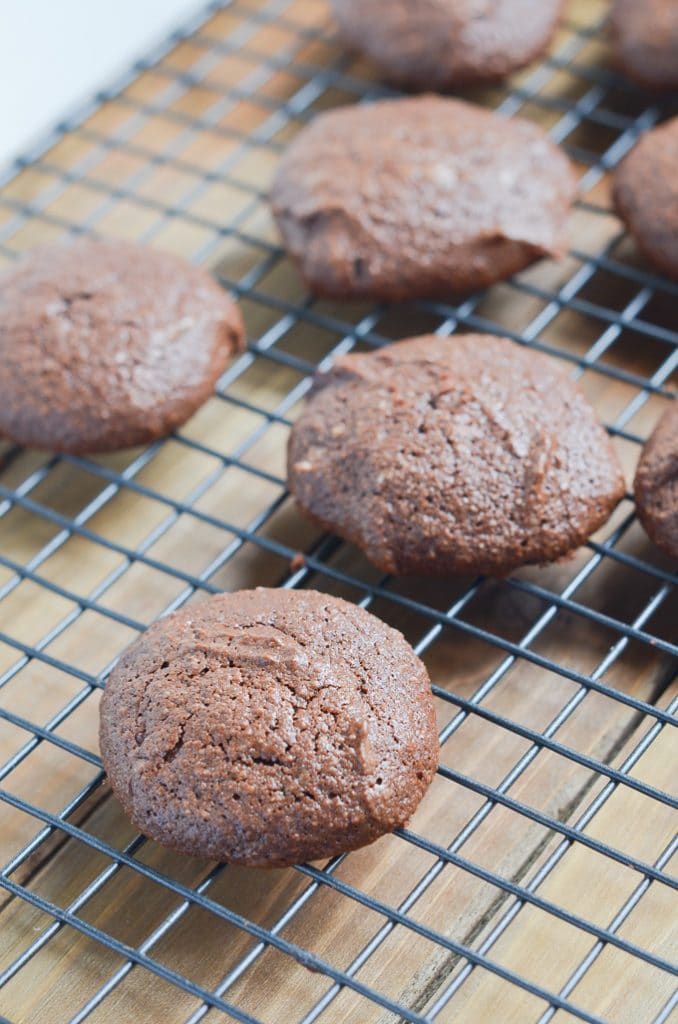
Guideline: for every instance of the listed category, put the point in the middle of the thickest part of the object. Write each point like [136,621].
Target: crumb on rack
[297,562]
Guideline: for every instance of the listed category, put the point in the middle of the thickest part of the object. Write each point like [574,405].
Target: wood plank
[69,969]
[617,986]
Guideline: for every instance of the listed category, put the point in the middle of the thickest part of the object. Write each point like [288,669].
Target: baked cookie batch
[268,727]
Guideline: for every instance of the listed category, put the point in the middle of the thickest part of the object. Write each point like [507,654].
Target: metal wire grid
[315,82]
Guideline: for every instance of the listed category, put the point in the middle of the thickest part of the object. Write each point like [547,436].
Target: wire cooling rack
[535,880]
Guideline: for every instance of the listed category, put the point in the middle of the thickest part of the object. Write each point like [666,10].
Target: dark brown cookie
[437,44]
[656,483]
[104,345]
[460,455]
[645,194]
[268,727]
[419,197]
[645,41]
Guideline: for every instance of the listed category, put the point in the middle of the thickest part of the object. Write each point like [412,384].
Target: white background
[54,54]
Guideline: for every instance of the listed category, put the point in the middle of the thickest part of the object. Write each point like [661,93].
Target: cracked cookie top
[656,483]
[466,454]
[105,345]
[268,727]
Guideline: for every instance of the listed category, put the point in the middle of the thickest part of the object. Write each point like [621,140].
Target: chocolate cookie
[656,483]
[437,44]
[269,727]
[645,194]
[460,455]
[419,197]
[645,41]
[104,345]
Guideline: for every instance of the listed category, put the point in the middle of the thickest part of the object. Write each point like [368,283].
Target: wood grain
[184,507]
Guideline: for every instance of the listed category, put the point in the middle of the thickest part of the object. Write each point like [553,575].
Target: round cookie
[645,194]
[269,727]
[656,483]
[438,44]
[460,455]
[105,345]
[419,197]
[645,41]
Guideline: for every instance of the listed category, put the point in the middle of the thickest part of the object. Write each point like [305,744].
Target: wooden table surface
[93,550]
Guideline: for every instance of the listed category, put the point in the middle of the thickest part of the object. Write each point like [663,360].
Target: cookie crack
[536,466]
[170,754]
[498,430]
[666,474]
[65,312]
